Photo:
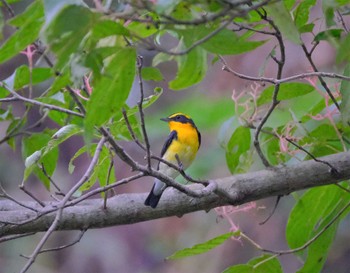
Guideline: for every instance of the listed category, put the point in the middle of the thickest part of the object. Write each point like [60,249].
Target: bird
[180,148]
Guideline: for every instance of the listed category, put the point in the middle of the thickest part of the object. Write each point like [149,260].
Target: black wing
[169,140]
[171,137]
[199,138]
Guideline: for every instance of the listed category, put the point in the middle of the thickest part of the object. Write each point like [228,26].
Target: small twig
[323,83]
[341,19]
[334,171]
[41,104]
[8,8]
[14,237]
[23,188]
[141,113]
[342,187]
[131,131]
[42,167]
[111,164]
[77,240]
[9,197]
[273,210]
[304,246]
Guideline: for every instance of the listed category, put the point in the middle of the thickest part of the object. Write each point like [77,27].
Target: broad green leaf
[61,135]
[345,95]
[147,102]
[142,30]
[120,131]
[317,252]
[100,170]
[60,82]
[301,14]
[96,57]
[307,28]
[329,34]
[161,58]
[313,211]
[328,12]
[32,151]
[67,31]
[29,24]
[203,247]
[343,53]
[281,16]
[287,91]
[151,74]
[82,150]
[226,42]
[112,90]
[192,68]
[262,264]
[39,74]
[270,147]
[238,144]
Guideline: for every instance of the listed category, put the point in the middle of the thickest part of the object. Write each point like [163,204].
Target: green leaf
[329,34]
[328,11]
[262,264]
[226,42]
[61,135]
[313,211]
[345,95]
[343,53]
[302,12]
[287,91]
[192,68]
[112,90]
[82,150]
[270,147]
[29,24]
[32,151]
[100,171]
[67,31]
[142,30]
[151,74]
[203,247]
[39,74]
[161,58]
[281,16]
[238,144]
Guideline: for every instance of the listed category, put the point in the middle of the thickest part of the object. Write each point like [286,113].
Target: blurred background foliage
[101,38]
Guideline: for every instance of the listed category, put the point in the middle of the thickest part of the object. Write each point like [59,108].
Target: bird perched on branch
[180,147]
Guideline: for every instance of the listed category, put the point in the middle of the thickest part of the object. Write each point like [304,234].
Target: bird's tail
[155,194]
[152,199]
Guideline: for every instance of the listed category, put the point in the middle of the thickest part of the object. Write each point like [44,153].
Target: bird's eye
[178,117]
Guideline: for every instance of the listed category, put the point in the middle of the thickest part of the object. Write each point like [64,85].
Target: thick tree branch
[129,208]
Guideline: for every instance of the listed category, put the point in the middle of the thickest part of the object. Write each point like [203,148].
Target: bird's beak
[165,119]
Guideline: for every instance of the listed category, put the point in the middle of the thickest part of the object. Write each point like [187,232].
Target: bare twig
[141,113]
[77,240]
[323,83]
[23,188]
[305,245]
[41,104]
[14,237]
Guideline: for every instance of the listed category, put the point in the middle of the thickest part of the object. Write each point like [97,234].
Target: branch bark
[129,208]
